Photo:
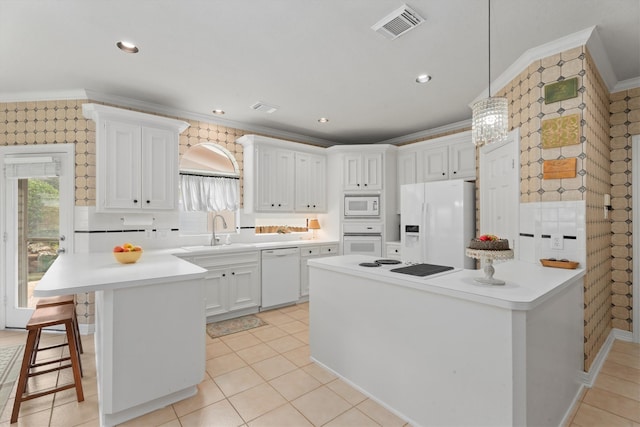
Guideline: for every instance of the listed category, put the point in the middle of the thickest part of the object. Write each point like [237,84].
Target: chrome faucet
[213,227]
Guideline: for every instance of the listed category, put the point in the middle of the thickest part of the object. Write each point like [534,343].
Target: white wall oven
[361,206]
[365,239]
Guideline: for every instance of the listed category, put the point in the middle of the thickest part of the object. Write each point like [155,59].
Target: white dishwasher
[280,277]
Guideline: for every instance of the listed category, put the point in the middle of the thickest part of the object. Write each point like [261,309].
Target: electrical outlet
[557,241]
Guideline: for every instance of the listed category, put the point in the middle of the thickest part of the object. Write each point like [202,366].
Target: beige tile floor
[614,400]
[263,377]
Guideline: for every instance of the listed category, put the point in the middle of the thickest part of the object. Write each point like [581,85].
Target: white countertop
[527,285]
[247,247]
[89,272]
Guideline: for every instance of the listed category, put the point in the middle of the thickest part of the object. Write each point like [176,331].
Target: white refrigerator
[437,222]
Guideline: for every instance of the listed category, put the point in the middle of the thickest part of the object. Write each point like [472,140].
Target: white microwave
[361,206]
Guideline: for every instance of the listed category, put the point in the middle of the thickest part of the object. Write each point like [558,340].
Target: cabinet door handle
[314,206]
[233,273]
[442,173]
[455,172]
[148,201]
[279,205]
[308,206]
[273,204]
[358,185]
[366,185]
[224,275]
[135,200]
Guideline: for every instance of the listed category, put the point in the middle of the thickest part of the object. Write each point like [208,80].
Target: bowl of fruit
[127,253]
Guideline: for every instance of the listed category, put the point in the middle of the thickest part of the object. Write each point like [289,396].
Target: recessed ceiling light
[323,120]
[127,47]
[423,78]
[218,111]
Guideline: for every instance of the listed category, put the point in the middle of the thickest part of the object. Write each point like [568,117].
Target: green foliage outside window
[43,208]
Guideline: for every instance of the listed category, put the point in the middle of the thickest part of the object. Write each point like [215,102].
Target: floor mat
[10,361]
[231,326]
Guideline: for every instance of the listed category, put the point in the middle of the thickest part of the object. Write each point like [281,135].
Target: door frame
[513,140]
[67,199]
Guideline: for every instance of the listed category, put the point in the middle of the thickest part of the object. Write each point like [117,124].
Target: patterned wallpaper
[597,281]
[527,111]
[624,120]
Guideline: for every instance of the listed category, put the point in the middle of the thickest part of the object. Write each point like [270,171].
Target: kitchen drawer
[329,250]
[312,251]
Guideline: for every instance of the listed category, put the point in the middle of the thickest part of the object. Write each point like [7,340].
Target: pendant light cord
[489,43]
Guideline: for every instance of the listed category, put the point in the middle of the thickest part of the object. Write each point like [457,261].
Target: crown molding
[457,126]
[588,37]
[603,64]
[627,84]
[184,114]
[54,95]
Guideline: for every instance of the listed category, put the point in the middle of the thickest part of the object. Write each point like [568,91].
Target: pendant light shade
[490,120]
[490,116]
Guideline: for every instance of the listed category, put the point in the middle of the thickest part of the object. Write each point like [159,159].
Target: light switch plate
[557,241]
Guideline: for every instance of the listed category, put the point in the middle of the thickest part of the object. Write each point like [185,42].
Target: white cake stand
[487,258]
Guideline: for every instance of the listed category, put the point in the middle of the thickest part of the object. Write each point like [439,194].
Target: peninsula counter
[447,350]
[150,327]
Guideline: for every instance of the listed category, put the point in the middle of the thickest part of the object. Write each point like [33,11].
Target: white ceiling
[312,58]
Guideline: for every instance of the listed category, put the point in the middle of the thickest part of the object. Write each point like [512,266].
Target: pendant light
[490,115]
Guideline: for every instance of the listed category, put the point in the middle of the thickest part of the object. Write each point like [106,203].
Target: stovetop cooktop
[388,261]
[369,264]
[379,262]
[422,270]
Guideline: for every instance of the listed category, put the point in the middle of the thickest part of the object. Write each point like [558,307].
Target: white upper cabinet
[363,171]
[310,182]
[137,159]
[275,172]
[462,160]
[449,157]
[434,164]
[407,168]
[282,176]
[406,172]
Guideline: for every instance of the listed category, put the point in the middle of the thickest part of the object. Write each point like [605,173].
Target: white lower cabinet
[308,252]
[232,285]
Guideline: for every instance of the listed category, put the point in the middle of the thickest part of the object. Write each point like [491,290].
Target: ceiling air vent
[398,22]
[264,107]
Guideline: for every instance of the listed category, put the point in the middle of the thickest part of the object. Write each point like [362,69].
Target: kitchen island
[150,327]
[446,350]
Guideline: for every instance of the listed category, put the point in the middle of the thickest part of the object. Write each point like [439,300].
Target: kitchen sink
[202,248]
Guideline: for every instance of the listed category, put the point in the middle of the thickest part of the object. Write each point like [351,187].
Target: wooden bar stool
[62,300]
[42,318]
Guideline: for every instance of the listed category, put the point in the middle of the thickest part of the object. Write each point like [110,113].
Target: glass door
[37,187]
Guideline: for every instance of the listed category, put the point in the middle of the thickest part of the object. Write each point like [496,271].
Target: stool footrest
[37,394]
[46,371]
[51,347]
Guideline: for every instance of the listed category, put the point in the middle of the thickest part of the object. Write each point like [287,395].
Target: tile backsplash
[543,222]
